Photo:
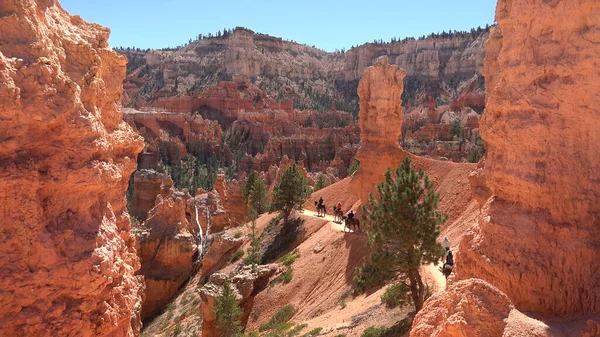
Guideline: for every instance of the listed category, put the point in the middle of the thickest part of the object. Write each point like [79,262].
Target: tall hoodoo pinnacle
[67,259]
[380,121]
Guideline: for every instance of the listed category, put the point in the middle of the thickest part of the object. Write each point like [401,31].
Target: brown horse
[447,269]
[354,223]
[321,209]
[337,214]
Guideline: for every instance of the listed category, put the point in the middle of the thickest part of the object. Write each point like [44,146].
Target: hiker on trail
[320,201]
[449,265]
[446,243]
[351,215]
[449,257]
[339,206]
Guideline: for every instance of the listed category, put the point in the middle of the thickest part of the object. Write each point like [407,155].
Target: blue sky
[327,24]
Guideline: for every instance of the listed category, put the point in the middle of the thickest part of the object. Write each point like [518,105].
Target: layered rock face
[380,121]
[166,243]
[537,241]
[297,71]
[147,185]
[460,56]
[68,260]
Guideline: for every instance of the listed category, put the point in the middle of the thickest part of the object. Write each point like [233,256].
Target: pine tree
[228,312]
[354,166]
[255,193]
[247,189]
[402,227]
[321,183]
[290,193]
[259,198]
[253,256]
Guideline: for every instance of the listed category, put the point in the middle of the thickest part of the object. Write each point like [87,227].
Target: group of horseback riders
[350,221]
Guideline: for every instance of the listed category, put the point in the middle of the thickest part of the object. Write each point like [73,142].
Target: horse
[447,269]
[337,214]
[351,222]
[321,209]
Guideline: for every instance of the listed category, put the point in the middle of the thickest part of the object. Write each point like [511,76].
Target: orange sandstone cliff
[539,240]
[536,240]
[68,260]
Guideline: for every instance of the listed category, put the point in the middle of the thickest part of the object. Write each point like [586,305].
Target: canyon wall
[538,242]
[297,73]
[432,57]
[68,259]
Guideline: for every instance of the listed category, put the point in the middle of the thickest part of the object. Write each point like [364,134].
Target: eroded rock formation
[471,308]
[147,185]
[537,240]
[380,121]
[246,284]
[68,260]
[166,243]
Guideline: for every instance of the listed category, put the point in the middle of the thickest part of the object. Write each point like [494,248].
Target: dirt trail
[431,272]
[332,223]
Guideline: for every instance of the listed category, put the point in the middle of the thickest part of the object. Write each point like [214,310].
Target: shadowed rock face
[537,241]
[380,121]
[67,258]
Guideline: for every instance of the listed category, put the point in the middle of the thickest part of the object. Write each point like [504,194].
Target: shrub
[290,257]
[283,315]
[237,255]
[313,332]
[395,295]
[373,331]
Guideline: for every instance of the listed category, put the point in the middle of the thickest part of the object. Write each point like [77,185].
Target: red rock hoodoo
[68,260]
[380,121]
[538,241]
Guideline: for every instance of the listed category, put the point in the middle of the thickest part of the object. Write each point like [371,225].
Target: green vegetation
[478,151]
[354,166]
[237,255]
[396,330]
[290,257]
[228,312]
[285,277]
[456,129]
[177,329]
[253,257]
[296,330]
[283,315]
[313,332]
[290,193]
[395,295]
[374,332]
[321,183]
[402,227]
[255,192]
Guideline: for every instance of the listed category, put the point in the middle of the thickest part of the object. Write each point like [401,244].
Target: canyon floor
[321,286]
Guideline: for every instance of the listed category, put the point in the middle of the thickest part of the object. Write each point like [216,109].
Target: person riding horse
[337,212]
[350,220]
[449,265]
[321,210]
